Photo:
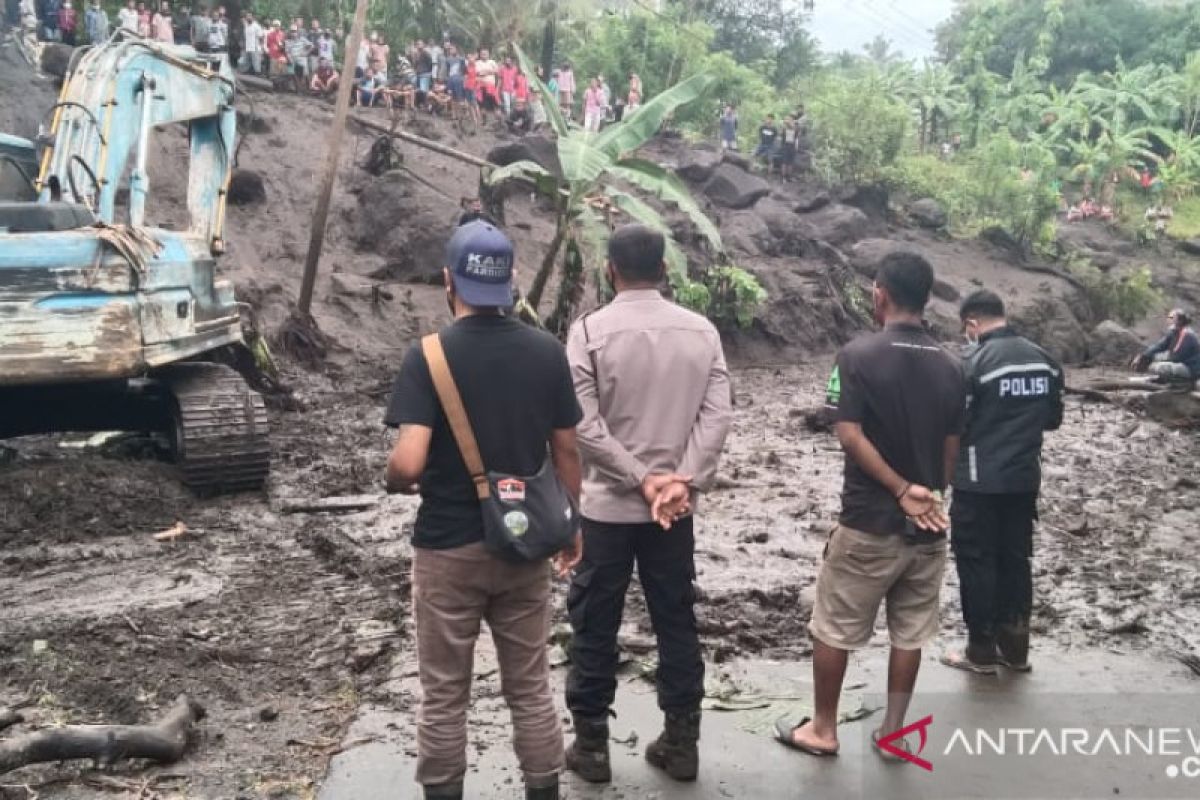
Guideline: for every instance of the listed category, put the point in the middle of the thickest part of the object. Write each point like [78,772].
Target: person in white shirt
[128,17]
[252,51]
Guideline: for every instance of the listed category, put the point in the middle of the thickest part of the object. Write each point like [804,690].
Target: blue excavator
[107,322]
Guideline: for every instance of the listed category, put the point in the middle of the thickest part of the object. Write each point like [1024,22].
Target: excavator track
[220,429]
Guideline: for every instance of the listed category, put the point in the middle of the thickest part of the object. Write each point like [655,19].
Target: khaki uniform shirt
[652,382]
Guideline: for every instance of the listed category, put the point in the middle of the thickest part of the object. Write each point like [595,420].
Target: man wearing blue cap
[517,392]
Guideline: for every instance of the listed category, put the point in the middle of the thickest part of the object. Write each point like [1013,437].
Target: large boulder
[698,166]
[246,187]
[538,149]
[811,200]
[397,219]
[837,224]
[56,58]
[733,187]
[746,233]
[928,213]
[1190,246]
[872,200]
[739,160]
[1049,321]
[1112,345]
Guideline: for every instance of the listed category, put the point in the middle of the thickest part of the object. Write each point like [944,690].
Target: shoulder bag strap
[456,414]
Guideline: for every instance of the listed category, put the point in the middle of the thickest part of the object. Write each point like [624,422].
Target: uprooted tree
[597,168]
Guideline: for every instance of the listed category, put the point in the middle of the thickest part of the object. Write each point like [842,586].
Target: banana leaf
[665,185]
[527,172]
[582,162]
[642,125]
[643,213]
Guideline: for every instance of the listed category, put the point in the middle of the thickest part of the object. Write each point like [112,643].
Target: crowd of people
[780,148]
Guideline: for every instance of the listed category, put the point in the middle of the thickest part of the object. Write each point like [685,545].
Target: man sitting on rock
[324,80]
[1176,357]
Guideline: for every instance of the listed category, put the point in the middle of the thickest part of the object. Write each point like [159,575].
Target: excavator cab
[108,322]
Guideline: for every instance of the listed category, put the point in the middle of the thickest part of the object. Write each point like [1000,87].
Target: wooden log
[164,742]
[421,141]
[334,505]
[254,82]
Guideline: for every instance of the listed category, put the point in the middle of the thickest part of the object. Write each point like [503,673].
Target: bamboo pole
[421,141]
[321,212]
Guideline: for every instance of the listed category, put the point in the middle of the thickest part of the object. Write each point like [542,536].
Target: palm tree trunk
[547,269]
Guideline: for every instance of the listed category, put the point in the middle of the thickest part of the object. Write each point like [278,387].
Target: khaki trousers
[453,591]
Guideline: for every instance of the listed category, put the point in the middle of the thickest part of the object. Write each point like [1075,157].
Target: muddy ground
[282,625]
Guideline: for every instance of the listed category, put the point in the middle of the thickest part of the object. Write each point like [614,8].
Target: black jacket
[1181,346]
[1014,394]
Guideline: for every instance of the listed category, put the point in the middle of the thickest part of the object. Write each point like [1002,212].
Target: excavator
[108,323]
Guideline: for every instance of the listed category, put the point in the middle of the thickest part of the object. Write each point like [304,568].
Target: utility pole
[321,212]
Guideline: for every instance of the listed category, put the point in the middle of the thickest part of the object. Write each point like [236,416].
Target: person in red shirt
[471,87]
[276,55]
[67,20]
[508,85]
[521,88]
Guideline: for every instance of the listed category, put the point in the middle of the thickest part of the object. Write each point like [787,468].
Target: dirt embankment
[282,623]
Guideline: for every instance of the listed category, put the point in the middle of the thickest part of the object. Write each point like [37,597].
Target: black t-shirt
[909,395]
[516,387]
[767,134]
[424,62]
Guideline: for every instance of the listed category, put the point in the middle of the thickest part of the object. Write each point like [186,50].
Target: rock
[746,233]
[252,123]
[1112,345]
[246,187]
[783,226]
[812,200]
[399,220]
[538,149]
[1001,238]
[739,160]
[268,713]
[837,224]
[871,200]
[1050,322]
[866,256]
[1190,246]
[733,187]
[944,291]
[56,58]
[928,213]
[697,166]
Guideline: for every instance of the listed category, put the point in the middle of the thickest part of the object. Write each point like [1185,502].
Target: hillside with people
[1042,167]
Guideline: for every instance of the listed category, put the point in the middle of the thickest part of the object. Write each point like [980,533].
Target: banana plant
[598,172]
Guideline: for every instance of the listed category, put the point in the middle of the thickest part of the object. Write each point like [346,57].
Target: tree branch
[164,742]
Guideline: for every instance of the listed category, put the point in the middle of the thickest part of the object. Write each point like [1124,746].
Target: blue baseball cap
[480,259]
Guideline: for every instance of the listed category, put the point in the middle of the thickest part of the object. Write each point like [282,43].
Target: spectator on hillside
[50,14]
[1175,357]
[95,22]
[363,59]
[508,85]
[297,48]
[439,100]
[127,17]
[566,88]
[423,64]
[198,28]
[729,128]
[325,79]
[218,33]
[593,107]
[144,21]
[160,23]
[314,41]
[401,91]
[437,55]
[273,45]
[471,87]
[456,73]
[369,91]
[67,20]
[606,97]
[552,85]
[537,109]
[520,121]
[181,24]
[252,45]
[768,134]
[634,99]
[380,56]
[789,140]
[521,88]
[486,73]
[326,47]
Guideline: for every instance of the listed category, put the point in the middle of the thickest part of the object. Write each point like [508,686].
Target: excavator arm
[114,96]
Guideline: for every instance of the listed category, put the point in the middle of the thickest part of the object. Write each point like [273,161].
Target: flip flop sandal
[960,661]
[784,734]
[891,758]
[1004,662]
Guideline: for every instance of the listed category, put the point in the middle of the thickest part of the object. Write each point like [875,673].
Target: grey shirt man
[652,382]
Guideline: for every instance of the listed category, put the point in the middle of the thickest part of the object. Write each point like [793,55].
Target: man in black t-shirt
[768,132]
[518,394]
[899,404]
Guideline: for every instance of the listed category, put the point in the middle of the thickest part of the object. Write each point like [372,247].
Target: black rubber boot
[444,791]
[1013,641]
[546,792]
[675,751]
[587,756]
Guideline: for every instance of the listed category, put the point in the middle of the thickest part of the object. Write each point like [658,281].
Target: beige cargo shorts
[860,570]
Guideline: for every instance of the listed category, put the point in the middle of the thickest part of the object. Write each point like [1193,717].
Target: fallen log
[164,742]
[421,141]
[252,82]
[331,505]
[10,717]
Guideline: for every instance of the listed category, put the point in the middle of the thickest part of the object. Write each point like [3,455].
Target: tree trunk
[924,128]
[549,38]
[570,290]
[543,275]
[165,742]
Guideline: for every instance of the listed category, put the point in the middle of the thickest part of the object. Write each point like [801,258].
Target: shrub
[859,129]
[1126,298]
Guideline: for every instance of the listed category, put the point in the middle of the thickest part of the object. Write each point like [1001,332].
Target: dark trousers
[666,569]
[992,537]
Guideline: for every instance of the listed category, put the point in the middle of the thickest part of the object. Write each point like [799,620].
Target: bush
[1127,298]
[948,182]
[859,129]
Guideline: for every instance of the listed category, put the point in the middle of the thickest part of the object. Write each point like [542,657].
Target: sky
[849,24]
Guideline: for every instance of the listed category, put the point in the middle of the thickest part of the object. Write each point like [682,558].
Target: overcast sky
[849,24]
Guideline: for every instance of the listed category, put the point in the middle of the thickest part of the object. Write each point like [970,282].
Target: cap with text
[480,259]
